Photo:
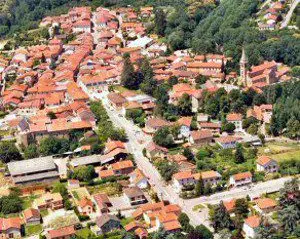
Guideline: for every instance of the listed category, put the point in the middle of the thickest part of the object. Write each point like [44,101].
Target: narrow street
[167,192]
[288,16]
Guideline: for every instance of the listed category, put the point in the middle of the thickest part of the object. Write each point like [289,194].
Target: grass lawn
[27,201]
[281,151]
[126,220]
[273,196]
[44,212]
[122,89]
[176,150]
[33,229]
[84,233]
[111,189]
[198,207]
[80,193]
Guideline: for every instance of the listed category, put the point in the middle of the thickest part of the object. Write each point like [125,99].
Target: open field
[281,151]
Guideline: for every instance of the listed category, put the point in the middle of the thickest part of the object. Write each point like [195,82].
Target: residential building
[137,178]
[251,223]
[53,201]
[265,205]
[211,177]
[102,202]
[215,128]
[230,206]
[262,113]
[117,101]
[10,227]
[106,223]
[266,164]
[240,179]
[32,216]
[73,184]
[61,233]
[153,124]
[155,151]
[85,206]
[227,142]
[201,137]
[236,119]
[183,179]
[134,196]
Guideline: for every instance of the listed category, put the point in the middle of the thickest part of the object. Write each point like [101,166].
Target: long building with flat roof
[33,170]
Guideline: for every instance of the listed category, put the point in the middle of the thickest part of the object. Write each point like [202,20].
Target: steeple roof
[244,58]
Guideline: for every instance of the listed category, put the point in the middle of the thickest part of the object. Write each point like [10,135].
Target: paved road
[167,192]
[288,16]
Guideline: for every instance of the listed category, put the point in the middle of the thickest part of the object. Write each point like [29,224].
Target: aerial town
[109,131]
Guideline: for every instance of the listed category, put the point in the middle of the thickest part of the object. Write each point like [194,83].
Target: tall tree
[9,152]
[128,76]
[199,188]
[239,154]
[160,22]
[290,194]
[148,84]
[289,218]
[241,207]
[185,105]
[221,218]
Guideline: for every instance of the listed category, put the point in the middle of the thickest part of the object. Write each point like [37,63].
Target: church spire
[243,67]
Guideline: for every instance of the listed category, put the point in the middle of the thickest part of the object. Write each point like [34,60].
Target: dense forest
[231,26]
[286,112]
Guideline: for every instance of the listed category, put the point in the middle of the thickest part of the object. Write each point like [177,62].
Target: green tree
[289,218]
[188,154]
[83,173]
[10,204]
[118,134]
[31,151]
[52,145]
[51,115]
[199,188]
[185,105]
[239,154]
[9,152]
[166,169]
[221,218]
[163,137]
[290,193]
[128,76]
[241,207]
[184,220]
[253,129]
[228,127]
[203,232]
[148,84]
[160,22]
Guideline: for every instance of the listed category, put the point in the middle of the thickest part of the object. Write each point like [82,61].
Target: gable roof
[105,218]
[253,221]
[61,232]
[264,160]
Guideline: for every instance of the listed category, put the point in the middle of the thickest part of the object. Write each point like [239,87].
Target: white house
[240,179]
[182,179]
[236,119]
[266,164]
[251,223]
[209,177]
[137,178]
[227,142]
[134,196]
